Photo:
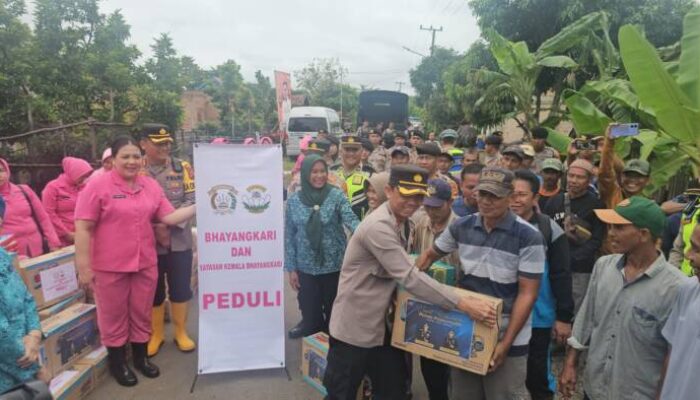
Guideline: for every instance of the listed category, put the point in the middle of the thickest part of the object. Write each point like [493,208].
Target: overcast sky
[367,36]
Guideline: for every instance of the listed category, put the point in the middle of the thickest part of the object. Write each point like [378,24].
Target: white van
[304,121]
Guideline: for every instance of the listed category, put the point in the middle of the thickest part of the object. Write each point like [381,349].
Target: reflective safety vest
[687,226]
[355,189]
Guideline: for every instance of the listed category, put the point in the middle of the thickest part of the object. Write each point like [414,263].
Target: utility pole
[341,98]
[433,30]
[400,84]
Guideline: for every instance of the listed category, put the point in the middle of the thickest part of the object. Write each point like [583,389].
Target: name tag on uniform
[119,196]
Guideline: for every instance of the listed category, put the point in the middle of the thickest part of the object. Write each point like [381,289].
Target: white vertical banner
[240,239]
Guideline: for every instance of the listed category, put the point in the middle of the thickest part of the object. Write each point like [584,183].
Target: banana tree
[520,68]
[665,103]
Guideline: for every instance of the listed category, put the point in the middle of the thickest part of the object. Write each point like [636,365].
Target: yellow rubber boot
[157,322]
[179,318]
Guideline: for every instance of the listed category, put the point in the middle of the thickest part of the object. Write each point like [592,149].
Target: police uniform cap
[400,134]
[448,133]
[367,145]
[410,180]
[157,133]
[320,146]
[516,151]
[350,141]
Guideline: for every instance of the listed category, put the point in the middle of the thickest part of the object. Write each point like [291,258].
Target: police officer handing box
[376,261]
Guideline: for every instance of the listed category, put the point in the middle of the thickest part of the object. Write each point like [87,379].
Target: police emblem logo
[223,199]
[351,139]
[257,200]
[313,146]
[162,132]
[418,178]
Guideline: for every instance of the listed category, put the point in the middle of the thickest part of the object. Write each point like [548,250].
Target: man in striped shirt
[503,256]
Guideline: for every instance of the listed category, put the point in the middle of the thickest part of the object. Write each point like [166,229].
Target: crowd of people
[581,259]
[569,242]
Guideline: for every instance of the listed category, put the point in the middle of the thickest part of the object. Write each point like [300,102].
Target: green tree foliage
[466,81]
[321,82]
[534,21]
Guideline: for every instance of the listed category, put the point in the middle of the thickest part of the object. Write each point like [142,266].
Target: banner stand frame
[197,375]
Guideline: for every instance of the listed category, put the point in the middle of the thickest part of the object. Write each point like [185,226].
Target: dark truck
[383,106]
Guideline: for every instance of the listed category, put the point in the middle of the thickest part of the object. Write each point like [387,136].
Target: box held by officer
[450,337]
[51,277]
[68,336]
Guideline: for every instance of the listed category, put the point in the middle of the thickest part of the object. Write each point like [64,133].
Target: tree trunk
[111,105]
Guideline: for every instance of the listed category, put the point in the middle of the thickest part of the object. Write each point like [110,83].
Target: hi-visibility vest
[355,189]
[687,226]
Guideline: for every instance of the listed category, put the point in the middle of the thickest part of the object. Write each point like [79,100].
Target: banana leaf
[557,62]
[689,66]
[664,166]
[573,34]
[648,139]
[558,140]
[656,88]
[587,118]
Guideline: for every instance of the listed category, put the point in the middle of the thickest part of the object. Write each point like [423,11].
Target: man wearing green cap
[629,298]
[551,172]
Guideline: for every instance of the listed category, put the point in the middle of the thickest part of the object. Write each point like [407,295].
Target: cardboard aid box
[77,297]
[314,350]
[72,384]
[52,277]
[450,337]
[97,362]
[68,336]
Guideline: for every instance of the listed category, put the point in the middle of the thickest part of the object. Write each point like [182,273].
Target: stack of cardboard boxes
[71,351]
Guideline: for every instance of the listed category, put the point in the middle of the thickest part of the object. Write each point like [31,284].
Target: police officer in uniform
[353,174]
[174,244]
[376,260]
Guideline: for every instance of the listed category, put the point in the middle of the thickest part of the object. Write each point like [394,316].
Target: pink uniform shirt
[123,239]
[19,221]
[59,197]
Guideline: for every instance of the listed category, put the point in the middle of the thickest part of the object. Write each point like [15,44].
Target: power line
[433,30]
[400,85]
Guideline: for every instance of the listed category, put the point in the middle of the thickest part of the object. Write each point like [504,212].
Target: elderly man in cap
[492,150]
[174,243]
[352,174]
[681,333]
[428,154]
[542,151]
[379,157]
[512,158]
[503,256]
[629,299]
[376,262]
[551,172]
[437,217]
[573,211]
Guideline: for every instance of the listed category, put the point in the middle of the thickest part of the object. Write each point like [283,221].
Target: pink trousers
[124,304]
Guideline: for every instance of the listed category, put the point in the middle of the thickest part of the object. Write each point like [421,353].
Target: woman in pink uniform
[116,254]
[59,197]
[25,217]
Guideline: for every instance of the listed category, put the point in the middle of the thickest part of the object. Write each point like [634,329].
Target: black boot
[118,367]
[298,331]
[141,361]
